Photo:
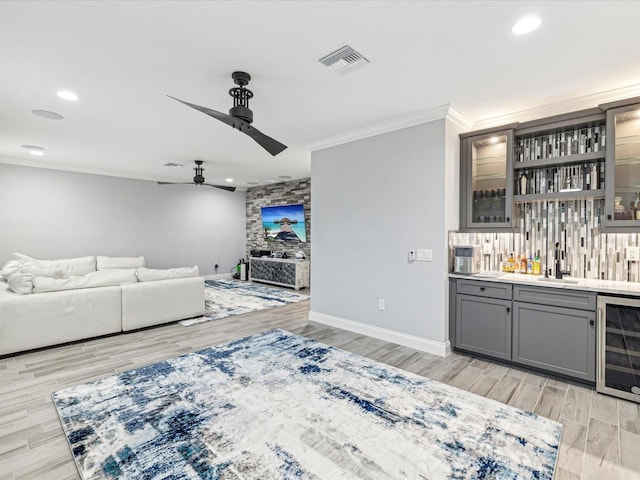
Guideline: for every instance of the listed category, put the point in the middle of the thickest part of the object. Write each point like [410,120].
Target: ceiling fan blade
[223,117]
[222,187]
[174,183]
[272,146]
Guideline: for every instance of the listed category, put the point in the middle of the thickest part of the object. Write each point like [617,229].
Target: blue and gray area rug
[225,298]
[280,406]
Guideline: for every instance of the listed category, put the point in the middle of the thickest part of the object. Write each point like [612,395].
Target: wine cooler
[618,371]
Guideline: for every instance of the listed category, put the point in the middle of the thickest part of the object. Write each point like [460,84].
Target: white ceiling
[123,58]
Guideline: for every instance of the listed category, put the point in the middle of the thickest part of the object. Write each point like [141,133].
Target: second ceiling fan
[198,179]
[240,115]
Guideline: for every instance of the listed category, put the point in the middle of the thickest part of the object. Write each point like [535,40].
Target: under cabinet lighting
[526,25]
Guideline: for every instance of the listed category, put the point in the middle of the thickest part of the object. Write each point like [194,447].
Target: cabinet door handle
[508,219]
[482,289]
[608,217]
[508,309]
[592,323]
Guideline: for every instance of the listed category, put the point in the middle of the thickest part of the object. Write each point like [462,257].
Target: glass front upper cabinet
[486,177]
[622,171]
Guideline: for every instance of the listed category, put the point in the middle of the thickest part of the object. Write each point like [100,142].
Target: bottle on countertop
[523,264]
[511,264]
[530,265]
[536,264]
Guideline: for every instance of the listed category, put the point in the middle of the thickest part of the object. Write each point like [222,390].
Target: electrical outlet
[487,248]
[412,255]
[632,254]
[381,304]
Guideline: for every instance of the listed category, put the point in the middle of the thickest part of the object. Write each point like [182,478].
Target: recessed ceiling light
[68,95]
[285,177]
[38,153]
[253,183]
[526,25]
[47,114]
[230,180]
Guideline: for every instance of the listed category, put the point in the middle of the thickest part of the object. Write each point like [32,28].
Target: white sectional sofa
[86,297]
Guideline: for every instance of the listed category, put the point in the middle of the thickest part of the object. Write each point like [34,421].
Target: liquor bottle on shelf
[637,207]
[523,183]
[593,181]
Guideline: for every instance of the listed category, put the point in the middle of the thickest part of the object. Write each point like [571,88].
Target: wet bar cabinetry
[560,157]
[486,179]
[547,328]
[590,155]
[622,197]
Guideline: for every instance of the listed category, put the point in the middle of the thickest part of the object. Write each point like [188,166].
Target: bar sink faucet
[559,272]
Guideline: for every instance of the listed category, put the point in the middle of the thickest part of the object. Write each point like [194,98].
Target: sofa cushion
[104,263]
[10,267]
[69,266]
[101,278]
[150,274]
[21,282]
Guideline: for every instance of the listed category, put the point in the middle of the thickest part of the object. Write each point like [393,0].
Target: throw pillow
[150,274]
[21,282]
[69,266]
[104,278]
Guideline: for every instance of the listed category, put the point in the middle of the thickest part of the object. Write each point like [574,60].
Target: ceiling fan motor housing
[241,97]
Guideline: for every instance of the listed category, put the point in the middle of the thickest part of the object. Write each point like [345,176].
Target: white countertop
[599,286]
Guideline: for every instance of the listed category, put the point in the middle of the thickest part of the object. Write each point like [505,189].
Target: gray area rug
[280,406]
[225,298]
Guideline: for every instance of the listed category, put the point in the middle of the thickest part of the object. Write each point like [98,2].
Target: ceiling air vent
[343,59]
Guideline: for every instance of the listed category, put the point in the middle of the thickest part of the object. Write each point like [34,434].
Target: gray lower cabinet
[557,339]
[483,325]
[548,328]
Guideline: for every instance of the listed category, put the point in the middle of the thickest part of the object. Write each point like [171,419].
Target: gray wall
[283,193]
[372,201]
[54,214]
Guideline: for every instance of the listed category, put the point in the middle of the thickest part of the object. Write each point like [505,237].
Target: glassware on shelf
[619,212]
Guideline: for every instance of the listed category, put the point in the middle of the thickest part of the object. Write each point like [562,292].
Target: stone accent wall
[284,193]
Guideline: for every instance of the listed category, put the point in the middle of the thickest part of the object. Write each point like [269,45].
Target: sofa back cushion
[101,278]
[69,266]
[150,274]
[104,263]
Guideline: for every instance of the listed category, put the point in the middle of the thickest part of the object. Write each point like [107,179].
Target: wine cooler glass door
[619,347]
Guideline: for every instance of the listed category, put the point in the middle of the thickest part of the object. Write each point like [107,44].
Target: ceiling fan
[240,116]
[199,179]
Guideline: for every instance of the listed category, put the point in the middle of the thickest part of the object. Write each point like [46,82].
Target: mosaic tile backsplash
[572,228]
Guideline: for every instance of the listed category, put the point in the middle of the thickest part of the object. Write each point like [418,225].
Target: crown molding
[564,106]
[436,113]
[90,171]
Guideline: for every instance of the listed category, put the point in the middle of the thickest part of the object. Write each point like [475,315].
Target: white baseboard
[423,344]
[215,277]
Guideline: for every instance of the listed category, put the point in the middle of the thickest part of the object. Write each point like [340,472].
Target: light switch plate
[412,255]
[632,254]
[425,255]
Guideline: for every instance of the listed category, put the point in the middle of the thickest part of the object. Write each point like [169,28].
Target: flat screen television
[284,223]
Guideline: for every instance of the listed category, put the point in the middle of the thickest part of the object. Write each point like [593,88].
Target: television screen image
[284,223]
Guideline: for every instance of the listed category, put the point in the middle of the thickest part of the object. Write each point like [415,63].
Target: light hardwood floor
[601,438]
